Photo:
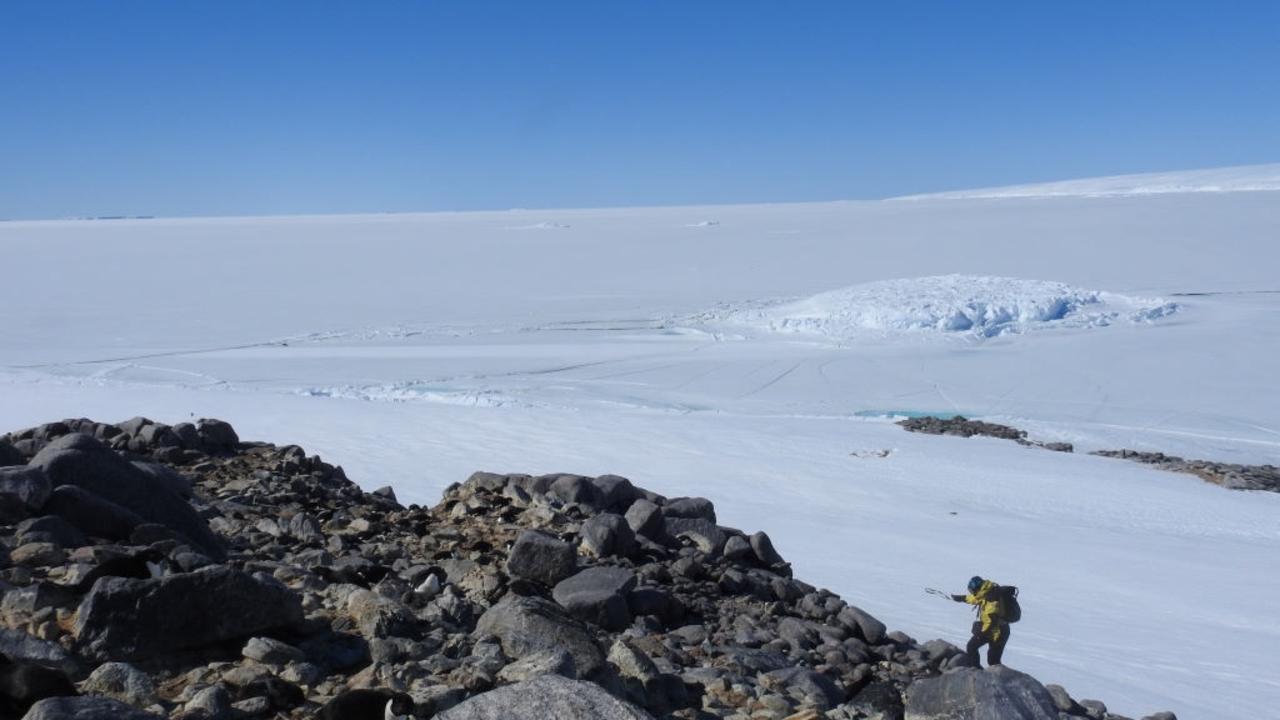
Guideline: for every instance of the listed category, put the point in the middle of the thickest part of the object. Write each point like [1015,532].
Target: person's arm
[959,598]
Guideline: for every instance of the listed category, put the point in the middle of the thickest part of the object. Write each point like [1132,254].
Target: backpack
[1010,610]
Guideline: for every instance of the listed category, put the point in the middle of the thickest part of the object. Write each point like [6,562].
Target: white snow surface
[415,349]
[1245,178]
[973,305]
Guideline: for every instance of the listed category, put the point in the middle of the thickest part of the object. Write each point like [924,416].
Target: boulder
[50,528]
[878,700]
[123,682]
[84,462]
[598,595]
[807,686]
[378,617]
[30,484]
[20,646]
[608,534]
[271,651]
[9,455]
[546,697]
[702,533]
[645,518]
[764,551]
[86,707]
[91,514]
[530,625]
[539,557]
[218,436]
[856,619]
[125,619]
[164,475]
[690,507]
[616,493]
[575,489]
[996,693]
[551,662]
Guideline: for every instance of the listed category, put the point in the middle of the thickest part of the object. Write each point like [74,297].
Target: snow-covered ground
[755,355]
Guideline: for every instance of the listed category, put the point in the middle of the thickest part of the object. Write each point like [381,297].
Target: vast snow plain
[757,355]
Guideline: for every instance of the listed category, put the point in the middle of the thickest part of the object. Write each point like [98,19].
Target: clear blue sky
[224,107]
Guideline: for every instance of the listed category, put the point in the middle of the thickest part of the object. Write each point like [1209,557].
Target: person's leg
[975,642]
[996,650]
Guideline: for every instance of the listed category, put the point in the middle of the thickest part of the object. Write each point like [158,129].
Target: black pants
[995,648]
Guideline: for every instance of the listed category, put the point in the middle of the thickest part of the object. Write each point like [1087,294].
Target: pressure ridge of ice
[954,304]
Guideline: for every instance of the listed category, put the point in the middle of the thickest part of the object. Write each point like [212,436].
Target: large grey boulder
[539,557]
[530,625]
[996,693]
[86,707]
[126,619]
[598,595]
[690,507]
[645,518]
[84,462]
[91,514]
[30,484]
[546,697]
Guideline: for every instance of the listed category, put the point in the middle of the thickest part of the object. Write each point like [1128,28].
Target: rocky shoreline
[1232,476]
[178,572]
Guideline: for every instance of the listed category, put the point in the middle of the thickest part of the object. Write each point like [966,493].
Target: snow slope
[414,349]
[1246,178]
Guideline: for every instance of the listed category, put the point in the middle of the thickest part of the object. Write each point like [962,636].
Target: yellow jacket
[990,609]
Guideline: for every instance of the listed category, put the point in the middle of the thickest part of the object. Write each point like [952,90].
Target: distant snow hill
[1244,178]
[977,306]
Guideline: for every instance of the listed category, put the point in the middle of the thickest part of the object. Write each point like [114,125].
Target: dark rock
[764,551]
[126,619]
[645,518]
[703,534]
[690,507]
[572,489]
[545,697]
[178,483]
[91,514]
[598,595]
[50,528]
[878,700]
[218,436]
[81,461]
[806,685]
[86,707]
[20,646]
[608,534]
[869,628]
[530,625]
[9,455]
[616,493]
[539,557]
[996,693]
[29,484]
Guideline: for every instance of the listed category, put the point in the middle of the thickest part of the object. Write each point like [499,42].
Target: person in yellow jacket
[991,629]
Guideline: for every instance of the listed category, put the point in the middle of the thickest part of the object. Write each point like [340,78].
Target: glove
[958,598]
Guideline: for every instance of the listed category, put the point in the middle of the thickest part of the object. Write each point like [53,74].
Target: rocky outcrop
[178,572]
[1232,476]
[960,426]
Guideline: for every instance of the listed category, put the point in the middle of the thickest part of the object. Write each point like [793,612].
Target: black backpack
[1010,610]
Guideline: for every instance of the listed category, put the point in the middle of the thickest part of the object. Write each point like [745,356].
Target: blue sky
[216,108]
